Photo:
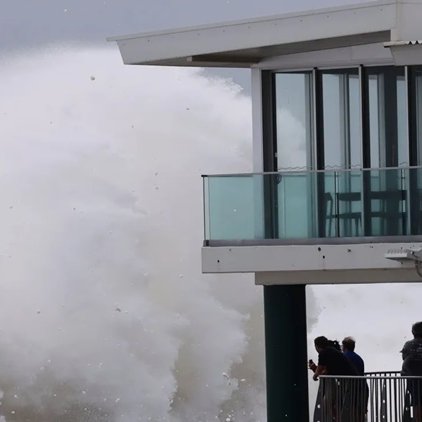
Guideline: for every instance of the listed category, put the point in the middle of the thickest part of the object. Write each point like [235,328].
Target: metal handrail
[374,397]
[309,171]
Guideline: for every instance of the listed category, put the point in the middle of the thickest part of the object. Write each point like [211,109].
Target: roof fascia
[179,47]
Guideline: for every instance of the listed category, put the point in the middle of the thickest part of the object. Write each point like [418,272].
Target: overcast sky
[33,23]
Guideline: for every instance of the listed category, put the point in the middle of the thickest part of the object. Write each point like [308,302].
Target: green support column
[286,353]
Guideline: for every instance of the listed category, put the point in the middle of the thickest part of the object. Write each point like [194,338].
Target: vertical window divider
[406,175]
[270,163]
[413,201]
[345,129]
[365,150]
[310,153]
[314,154]
[336,202]
[319,154]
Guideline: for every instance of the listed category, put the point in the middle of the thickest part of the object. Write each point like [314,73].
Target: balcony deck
[314,226]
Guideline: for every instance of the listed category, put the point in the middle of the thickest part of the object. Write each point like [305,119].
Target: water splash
[104,313]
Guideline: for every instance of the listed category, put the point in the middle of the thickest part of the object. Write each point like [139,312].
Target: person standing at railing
[412,366]
[331,361]
[348,347]
[359,387]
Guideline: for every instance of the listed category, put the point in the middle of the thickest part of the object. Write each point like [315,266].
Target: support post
[286,353]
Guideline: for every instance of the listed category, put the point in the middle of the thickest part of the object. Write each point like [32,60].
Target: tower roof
[245,43]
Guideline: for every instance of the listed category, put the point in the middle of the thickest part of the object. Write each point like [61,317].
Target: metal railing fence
[374,397]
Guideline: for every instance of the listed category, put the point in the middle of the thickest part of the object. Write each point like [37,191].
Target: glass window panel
[230,209]
[415,199]
[234,205]
[294,146]
[355,138]
[376,118]
[349,203]
[387,117]
[387,209]
[294,212]
[402,134]
[293,120]
[333,121]
[341,119]
[418,101]
[328,217]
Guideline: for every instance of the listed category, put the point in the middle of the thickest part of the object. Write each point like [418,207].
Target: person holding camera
[333,401]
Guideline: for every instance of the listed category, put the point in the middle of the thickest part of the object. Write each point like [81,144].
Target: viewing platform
[316,226]
[375,397]
[335,196]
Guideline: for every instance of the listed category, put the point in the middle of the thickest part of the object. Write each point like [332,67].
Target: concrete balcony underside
[315,261]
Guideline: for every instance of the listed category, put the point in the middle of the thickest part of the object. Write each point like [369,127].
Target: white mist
[104,313]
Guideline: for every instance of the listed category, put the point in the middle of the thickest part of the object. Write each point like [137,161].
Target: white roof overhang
[246,43]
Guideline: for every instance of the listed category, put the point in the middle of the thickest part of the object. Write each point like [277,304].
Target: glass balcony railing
[313,204]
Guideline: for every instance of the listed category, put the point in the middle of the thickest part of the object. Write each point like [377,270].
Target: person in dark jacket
[330,359]
[333,401]
[412,366]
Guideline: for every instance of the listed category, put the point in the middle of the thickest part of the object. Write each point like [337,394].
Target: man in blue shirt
[359,401]
[348,347]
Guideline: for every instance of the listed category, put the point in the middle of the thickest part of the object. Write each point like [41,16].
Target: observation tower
[338,200]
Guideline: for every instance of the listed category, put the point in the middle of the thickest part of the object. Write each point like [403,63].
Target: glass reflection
[368,202]
[402,113]
[418,106]
[341,119]
[387,117]
[293,120]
